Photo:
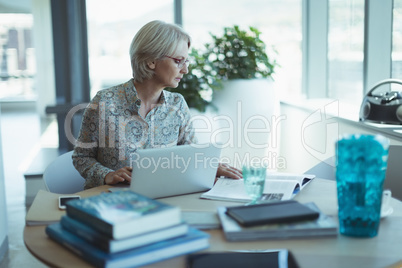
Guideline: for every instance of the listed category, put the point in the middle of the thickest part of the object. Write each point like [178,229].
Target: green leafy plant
[239,54]
[198,84]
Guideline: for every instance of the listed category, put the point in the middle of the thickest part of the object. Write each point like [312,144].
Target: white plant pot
[204,124]
[247,122]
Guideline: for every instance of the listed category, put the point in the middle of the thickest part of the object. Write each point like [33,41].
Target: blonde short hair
[153,41]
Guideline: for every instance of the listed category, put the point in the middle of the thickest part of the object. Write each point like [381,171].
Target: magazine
[278,187]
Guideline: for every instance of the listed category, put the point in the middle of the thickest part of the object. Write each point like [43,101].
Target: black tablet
[272,259]
[274,212]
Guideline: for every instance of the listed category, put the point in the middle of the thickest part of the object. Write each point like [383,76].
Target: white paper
[278,186]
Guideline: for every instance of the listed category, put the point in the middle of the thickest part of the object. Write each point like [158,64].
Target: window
[17,57]
[397,41]
[278,20]
[346,50]
[360,36]
[347,72]
[111,27]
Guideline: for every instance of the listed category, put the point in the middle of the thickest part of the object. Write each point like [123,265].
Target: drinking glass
[360,173]
[254,181]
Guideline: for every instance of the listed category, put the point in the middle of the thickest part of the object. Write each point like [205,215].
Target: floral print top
[112,129]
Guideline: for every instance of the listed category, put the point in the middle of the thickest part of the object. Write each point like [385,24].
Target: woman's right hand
[122,175]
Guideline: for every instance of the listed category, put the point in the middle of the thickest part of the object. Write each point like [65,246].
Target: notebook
[177,170]
[274,212]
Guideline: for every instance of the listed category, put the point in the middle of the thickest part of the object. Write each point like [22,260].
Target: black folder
[273,259]
[274,212]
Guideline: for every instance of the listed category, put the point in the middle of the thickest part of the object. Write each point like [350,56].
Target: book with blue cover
[109,245]
[123,214]
[193,241]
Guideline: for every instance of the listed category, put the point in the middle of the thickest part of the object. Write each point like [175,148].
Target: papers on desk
[44,209]
[278,187]
[203,220]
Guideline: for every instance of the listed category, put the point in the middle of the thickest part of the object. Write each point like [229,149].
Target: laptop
[177,170]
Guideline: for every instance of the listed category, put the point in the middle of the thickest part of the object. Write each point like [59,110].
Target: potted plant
[239,59]
[198,85]
[197,88]
[239,54]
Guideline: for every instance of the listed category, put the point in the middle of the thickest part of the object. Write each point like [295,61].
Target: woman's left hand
[228,171]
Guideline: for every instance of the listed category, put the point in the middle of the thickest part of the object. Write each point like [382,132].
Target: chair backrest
[393,178]
[61,177]
[324,170]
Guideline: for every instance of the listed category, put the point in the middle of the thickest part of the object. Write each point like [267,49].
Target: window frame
[378,21]
[377,43]
[377,62]
[315,48]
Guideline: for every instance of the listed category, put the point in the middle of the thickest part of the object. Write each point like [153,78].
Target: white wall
[305,139]
[3,208]
[308,135]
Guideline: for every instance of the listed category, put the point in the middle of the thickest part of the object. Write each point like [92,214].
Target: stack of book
[124,229]
[276,220]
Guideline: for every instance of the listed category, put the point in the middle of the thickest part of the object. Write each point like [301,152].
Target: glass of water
[254,181]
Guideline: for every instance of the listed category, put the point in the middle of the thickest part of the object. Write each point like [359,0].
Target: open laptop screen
[176,170]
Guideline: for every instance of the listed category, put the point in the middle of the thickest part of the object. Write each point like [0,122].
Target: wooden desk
[381,251]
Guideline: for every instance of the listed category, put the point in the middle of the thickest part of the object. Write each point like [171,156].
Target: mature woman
[139,114]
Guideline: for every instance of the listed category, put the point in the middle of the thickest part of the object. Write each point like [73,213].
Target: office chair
[61,177]
[393,177]
[393,182]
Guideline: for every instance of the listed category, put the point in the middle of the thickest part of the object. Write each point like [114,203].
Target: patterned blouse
[112,130]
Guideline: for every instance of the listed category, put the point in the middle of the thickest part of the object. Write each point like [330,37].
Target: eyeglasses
[180,62]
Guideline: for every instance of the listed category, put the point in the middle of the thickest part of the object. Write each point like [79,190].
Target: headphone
[384,107]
